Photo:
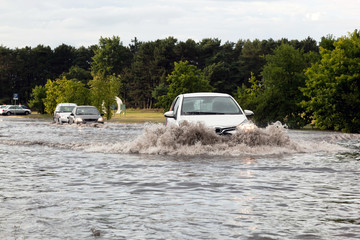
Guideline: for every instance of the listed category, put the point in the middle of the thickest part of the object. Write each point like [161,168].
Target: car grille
[222,131]
[90,120]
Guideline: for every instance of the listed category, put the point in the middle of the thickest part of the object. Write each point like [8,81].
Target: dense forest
[296,82]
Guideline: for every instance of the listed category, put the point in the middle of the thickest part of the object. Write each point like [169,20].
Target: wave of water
[197,139]
[188,139]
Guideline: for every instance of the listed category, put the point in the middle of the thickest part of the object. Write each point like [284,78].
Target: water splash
[197,139]
[188,139]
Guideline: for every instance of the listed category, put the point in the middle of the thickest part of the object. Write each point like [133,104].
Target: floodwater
[128,181]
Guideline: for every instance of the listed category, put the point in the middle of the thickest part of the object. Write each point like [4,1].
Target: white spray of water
[190,139]
[197,139]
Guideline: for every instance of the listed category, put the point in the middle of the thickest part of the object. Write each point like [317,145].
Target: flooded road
[121,181]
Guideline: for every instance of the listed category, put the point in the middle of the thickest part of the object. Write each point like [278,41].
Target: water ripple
[68,182]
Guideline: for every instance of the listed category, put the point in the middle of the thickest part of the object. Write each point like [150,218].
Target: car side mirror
[169,114]
[71,114]
[248,113]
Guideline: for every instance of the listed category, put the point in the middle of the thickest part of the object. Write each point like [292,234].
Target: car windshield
[87,111]
[209,105]
[66,108]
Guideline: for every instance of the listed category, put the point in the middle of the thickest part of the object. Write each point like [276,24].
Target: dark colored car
[85,114]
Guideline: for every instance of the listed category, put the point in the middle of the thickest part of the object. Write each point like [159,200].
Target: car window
[176,105]
[209,105]
[87,111]
[66,108]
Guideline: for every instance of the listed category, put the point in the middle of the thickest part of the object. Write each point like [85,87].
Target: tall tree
[185,78]
[218,74]
[7,63]
[110,57]
[83,57]
[283,75]
[328,42]
[188,51]
[209,52]
[103,91]
[62,59]
[38,96]
[152,63]
[78,73]
[333,86]
[252,59]
[109,62]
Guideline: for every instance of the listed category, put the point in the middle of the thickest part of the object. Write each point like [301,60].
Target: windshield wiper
[192,113]
[203,113]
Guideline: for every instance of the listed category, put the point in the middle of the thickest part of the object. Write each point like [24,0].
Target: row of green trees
[143,66]
[22,69]
[298,88]
[296,82]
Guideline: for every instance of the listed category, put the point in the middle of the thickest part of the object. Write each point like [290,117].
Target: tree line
[296,82]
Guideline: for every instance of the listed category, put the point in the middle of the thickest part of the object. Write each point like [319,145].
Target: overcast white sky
[83,22]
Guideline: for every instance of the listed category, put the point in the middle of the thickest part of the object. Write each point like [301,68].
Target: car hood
[64,114]
[214,121]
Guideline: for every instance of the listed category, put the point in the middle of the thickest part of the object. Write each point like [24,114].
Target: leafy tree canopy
[276,98]
[103,91]
[63,90]
[110,57]
[333,86]
[185,78]
[38,96]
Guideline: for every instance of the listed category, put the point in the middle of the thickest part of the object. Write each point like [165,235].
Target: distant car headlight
[246,126]
[78,120]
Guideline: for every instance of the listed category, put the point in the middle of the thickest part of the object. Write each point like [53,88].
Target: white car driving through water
[216,110]
[62,112]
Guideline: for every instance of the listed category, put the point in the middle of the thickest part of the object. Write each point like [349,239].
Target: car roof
[206,94]
[67,104]
[85,106]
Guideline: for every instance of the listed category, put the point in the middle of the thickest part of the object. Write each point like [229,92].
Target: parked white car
[62,112]
[216,110]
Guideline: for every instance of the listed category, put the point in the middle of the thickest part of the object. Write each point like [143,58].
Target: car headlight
[246,126]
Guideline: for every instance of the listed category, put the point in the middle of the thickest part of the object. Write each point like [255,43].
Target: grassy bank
[131,116]
[139,116]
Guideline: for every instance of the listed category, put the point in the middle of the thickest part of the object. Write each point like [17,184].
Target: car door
[12,109]
[19,110]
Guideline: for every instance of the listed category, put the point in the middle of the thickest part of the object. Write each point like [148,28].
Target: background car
[217,110]
[62,112]
[14,110]
[24,106]
[85,114]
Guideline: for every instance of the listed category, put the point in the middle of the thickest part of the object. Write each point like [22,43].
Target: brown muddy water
[121,181]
